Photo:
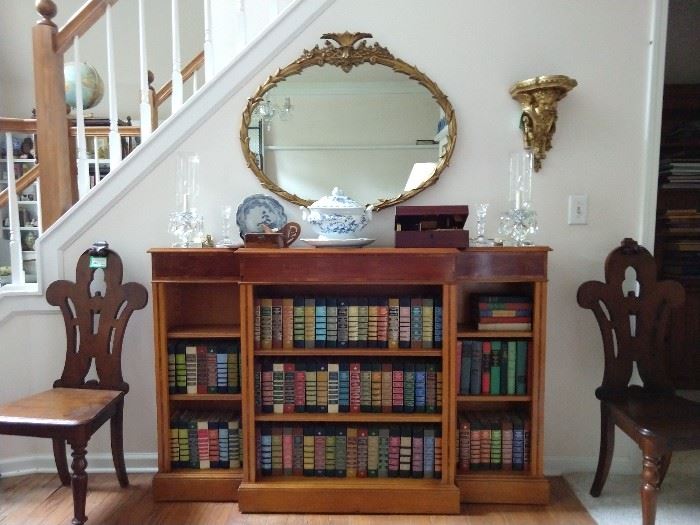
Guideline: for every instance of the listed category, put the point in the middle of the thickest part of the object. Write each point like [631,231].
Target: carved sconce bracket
[538,97]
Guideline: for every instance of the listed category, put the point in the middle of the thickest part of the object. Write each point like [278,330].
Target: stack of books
[495,367]
[347,385]
[204,367]
[503,312]
[679,174]
[357,451]
[493,441]
[205,440]
[347,322]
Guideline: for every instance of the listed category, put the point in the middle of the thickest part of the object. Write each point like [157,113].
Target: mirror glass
[373,131]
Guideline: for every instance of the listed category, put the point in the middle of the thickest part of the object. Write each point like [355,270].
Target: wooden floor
[39,499]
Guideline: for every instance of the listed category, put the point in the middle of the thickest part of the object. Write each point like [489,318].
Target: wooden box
[431,227]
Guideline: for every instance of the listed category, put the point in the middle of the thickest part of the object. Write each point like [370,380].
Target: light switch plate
[578,209]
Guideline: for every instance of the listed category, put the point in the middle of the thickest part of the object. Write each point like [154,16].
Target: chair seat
[59,407]
[671,418]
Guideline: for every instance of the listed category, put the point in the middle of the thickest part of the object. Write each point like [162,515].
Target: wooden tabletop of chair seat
[59,407]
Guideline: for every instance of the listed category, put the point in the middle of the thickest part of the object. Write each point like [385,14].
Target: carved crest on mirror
[284,139]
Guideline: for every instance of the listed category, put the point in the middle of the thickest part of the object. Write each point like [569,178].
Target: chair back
[95,322]
[634,325]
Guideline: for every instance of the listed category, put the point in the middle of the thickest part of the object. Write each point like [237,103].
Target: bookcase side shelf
[195,298]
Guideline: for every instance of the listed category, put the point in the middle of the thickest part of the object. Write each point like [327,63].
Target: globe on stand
[90,80]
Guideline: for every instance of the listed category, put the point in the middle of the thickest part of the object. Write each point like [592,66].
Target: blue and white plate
[259,209]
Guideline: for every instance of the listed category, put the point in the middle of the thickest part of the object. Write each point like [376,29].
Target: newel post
[58,187]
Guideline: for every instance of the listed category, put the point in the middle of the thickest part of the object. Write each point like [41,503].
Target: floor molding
[135,462]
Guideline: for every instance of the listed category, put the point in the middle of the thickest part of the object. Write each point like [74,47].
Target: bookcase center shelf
[332,380]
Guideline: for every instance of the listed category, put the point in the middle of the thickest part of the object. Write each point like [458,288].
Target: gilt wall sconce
[538,97]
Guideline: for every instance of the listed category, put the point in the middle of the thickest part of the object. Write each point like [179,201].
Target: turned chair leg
[607,446]
[117,439]
[651,479]
[79,481]
[59,454]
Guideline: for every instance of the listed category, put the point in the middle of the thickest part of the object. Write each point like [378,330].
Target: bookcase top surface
[378,264]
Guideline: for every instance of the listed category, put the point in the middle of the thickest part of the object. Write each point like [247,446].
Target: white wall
[475,51]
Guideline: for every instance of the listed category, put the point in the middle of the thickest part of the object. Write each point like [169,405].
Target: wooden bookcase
[195,296]
[212,293]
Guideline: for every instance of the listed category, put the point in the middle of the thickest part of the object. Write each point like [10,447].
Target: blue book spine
[437,322]
[421,377]
[344,387]
[320,322]
[475,371]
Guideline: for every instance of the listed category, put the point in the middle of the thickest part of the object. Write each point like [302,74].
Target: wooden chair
[634,327]
[75,408]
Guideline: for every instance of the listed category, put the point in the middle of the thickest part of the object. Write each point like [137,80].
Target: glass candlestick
[187,181]
[186,223]
[226,214]
[520,221]
[188,227]
[480,239]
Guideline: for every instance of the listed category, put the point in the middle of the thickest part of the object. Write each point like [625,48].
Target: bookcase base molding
[347,497]
[231,426]
[480,489]
[200,485]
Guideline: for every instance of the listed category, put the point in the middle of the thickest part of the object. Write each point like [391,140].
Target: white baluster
[115,142]
[16,263]
[83,169]
[195,81]
[145,106]
[208,45]
[176,97]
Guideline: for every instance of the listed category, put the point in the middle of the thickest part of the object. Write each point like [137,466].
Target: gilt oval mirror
[350,115]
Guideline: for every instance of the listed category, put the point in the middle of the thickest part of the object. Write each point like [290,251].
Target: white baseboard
[135,462]
[556,466]
[148,462]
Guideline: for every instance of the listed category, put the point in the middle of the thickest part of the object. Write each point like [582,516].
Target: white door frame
[652,121]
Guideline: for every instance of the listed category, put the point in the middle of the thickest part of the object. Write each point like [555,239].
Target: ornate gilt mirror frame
[347,53]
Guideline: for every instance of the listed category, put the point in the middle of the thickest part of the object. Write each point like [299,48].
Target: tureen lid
[337,199]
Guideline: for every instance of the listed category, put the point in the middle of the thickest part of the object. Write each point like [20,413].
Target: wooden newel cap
[47,9]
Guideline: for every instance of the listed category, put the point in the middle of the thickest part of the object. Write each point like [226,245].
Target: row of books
[493,441]
[362,451]
[495,367]
[204,366]
[348,322]
[344,385]
[503,312]
[205,440]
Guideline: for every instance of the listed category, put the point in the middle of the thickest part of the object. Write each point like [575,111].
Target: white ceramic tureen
[337,216]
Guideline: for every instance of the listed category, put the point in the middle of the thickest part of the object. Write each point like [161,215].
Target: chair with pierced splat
[75,408]
[634,327]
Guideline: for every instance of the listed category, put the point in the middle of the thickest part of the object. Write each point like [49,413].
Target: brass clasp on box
[538,97]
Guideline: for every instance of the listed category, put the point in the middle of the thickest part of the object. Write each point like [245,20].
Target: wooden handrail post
[58,185]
